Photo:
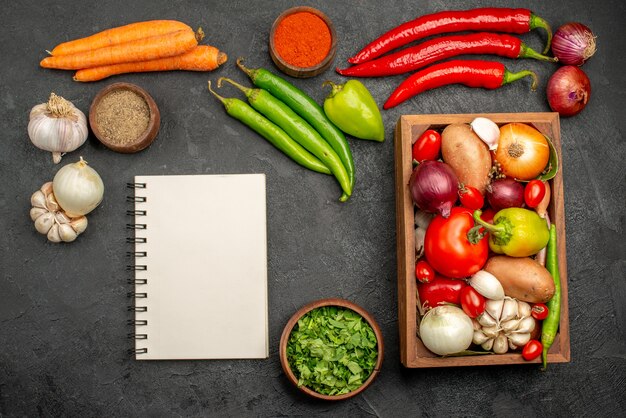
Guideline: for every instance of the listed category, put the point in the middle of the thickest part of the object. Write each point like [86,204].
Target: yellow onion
[523,152]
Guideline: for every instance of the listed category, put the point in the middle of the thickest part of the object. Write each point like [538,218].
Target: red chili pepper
[416,57]
[484,19]
[486,74]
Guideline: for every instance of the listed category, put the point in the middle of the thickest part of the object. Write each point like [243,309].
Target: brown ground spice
[122,116]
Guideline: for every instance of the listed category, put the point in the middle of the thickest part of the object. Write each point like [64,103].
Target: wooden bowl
[303,72]
[317,304]
[144,139]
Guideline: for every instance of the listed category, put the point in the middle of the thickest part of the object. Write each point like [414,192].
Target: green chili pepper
[297,128]
[551,323]
[244,113]
[352,108]
[308,109]
[515,232]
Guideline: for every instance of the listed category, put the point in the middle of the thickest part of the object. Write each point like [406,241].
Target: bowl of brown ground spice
[124,117]
[303,42]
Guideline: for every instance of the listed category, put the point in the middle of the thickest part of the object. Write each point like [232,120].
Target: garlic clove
[79,224]
[519,339]
[500,344]
[476,325]
[487,320]
[38,200]
[491,332]
[510,325]
[62,218]
[488,345]
[512,346]
[526,325]
[422,219]
[46,188]
[523,309]
[479,338]
[44,223]
[67,233]
[487,131]
[494,308]
[509,310]
[420,236]
[51,203]
[487,285]
[53,234]
[37,212]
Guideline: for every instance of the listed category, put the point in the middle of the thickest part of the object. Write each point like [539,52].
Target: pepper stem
[527,52]
[247,91]
[336,88]
[477,233]
[248,71]
[537,22]
[220,98]
[510,77]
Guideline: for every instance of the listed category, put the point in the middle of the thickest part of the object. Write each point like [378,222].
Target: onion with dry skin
[523,152]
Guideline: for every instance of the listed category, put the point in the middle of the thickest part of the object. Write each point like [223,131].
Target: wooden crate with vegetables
[482,277]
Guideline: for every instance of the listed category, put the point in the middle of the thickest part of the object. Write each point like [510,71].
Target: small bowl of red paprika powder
[303,42]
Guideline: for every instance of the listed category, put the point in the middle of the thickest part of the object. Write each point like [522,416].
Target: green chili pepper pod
[308,109]
[297,128]
[551,323]
[244,113]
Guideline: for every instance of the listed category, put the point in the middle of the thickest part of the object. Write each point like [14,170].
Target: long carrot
[146,49]
[201,58]
[118,35]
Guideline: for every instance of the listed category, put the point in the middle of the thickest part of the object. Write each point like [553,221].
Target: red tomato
[488,215]
[532,350]
[441,290]
[534,192]
[539,311]
[424,273]
[471,197]
[447,248]
[472,302]
[427,146]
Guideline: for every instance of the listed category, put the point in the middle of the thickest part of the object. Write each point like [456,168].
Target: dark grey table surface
[63,333]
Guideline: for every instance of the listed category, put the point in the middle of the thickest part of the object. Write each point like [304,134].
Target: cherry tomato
[472,302]
[471,197]
[539,311]
[447,248]
[441,290]
[488,215]
[424,273]
[532,350]
[427,146]
[534,192]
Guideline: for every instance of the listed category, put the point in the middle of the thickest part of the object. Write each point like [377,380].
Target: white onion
[78,188]
[446,330]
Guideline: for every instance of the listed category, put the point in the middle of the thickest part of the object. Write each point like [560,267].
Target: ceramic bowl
[317,304]
[143,140]
[303,72]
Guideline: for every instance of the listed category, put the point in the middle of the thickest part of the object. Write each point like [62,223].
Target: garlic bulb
[57,126]
[505,324]
[50,220]
[487,131]
[78,188]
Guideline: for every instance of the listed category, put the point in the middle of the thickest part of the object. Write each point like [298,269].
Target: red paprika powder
[302,39]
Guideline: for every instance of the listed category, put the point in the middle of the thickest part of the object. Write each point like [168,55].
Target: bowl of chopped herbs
[331,349]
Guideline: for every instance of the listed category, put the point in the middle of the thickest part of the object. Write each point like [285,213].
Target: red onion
[505,193]
[568,90]
[573,44]
[434,186]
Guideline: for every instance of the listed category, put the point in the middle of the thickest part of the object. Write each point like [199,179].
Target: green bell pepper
[352,109]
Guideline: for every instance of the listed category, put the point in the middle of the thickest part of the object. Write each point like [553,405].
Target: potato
[522,278]
[468,156]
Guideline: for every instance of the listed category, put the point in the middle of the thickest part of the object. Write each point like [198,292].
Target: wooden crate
[412,352]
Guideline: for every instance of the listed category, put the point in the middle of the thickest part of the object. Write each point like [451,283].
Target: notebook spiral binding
[135,294]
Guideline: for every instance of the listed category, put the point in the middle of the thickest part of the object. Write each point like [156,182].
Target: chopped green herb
[332,350]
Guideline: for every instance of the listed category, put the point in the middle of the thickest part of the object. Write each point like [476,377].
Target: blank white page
[206,258]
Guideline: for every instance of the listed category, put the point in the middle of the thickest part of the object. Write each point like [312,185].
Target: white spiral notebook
[200,267]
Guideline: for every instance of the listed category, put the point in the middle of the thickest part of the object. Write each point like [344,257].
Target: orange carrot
[146,49]
[118,35]
[201,58]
